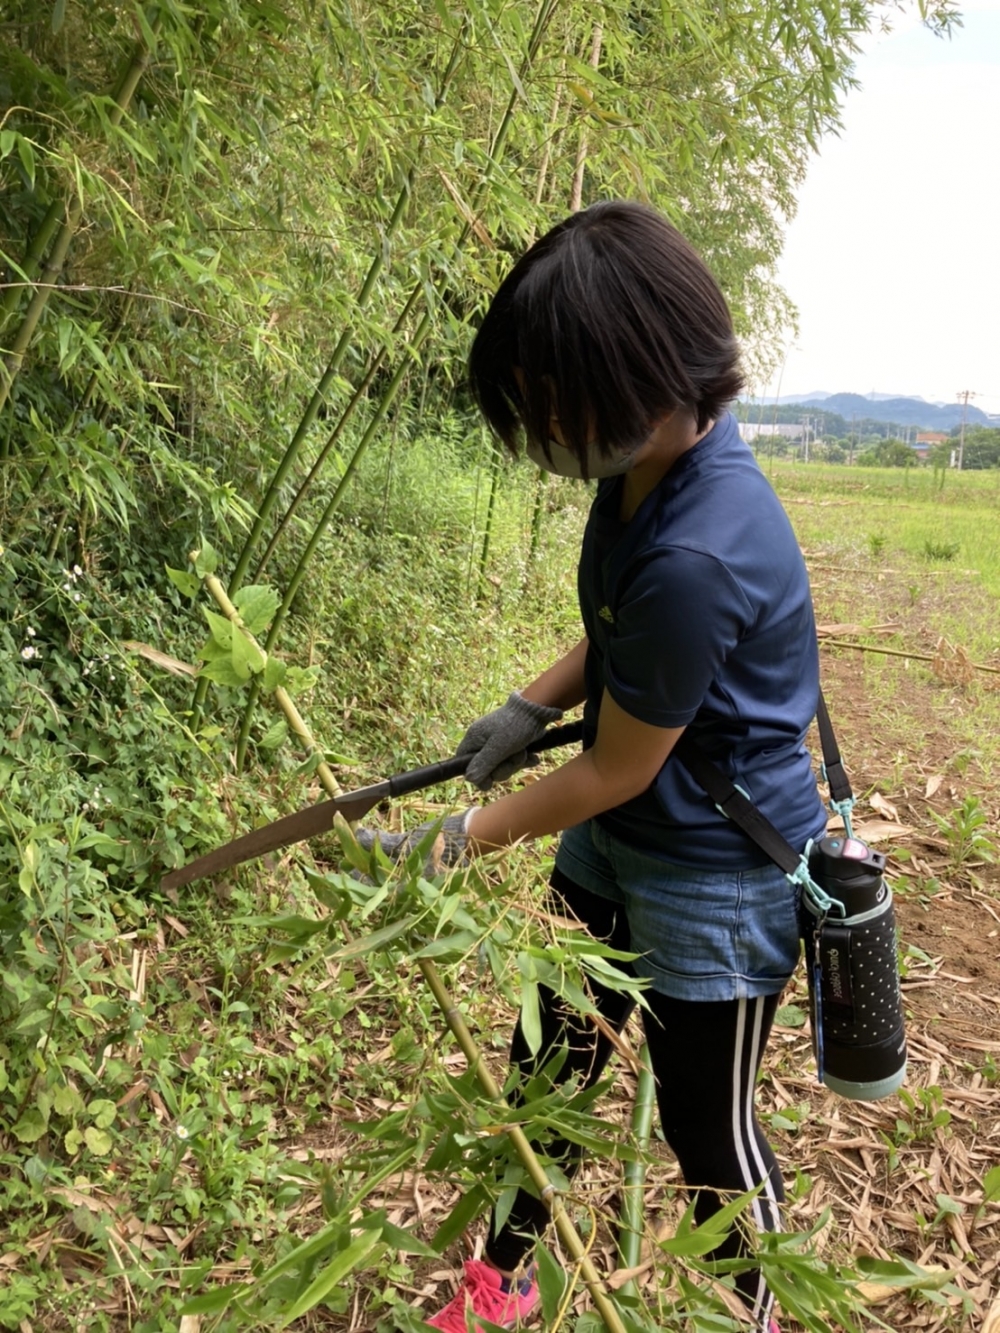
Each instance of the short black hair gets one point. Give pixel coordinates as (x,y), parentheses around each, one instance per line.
(608,322)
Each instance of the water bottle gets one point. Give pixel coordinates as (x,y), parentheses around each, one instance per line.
(854,1000)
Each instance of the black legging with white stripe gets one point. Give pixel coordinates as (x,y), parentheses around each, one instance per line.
(705,1057)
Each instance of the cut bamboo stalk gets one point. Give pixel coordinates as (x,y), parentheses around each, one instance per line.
(899,652)
(633,1191)
(550,1196)
(283,699)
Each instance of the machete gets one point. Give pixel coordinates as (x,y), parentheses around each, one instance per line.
(352,805)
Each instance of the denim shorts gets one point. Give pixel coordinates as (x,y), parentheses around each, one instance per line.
(701,934)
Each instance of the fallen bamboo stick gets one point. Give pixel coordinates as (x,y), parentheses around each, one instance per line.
(900,652)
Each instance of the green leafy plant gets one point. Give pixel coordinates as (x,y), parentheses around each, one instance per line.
(964,830)
(937,550)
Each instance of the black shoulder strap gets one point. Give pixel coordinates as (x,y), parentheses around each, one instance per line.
(836,776)
(732,802)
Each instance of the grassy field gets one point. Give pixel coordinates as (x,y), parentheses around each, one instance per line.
(286,1071)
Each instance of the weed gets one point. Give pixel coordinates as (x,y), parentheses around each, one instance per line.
(963,831)
(876,544)
(790,1118)
(934,550)
(924,1115)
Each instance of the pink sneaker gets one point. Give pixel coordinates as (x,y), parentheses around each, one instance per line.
(486,1294)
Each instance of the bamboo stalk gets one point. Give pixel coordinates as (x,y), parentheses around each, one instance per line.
(568,1234)
(544,14)
(334,436)
(633,1202)
(343,343)
(491,505)
(899,652)
(32,260)
(537,507)
(392,389)
(284,700)
(60,246)
(576,193)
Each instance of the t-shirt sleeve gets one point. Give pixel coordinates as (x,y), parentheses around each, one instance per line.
(679,615)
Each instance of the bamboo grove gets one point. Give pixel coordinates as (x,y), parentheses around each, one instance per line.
(243,245)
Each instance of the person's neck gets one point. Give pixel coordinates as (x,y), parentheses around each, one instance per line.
(673,437)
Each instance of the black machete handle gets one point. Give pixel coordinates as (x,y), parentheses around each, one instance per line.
(416,779)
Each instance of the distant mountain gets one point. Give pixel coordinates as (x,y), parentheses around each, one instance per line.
(897,411)
(815,397)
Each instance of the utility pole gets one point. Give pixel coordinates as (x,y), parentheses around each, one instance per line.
(963,395)
(805,421)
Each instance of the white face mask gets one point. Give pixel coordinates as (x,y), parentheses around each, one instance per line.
(564,463)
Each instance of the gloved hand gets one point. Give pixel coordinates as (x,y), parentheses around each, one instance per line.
(499,741)
(447,849)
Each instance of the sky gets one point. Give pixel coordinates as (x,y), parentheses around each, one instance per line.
(893,258)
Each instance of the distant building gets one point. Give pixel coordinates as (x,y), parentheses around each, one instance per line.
(756,430)
(926,440)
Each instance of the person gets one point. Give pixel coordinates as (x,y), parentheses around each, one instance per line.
(610,349)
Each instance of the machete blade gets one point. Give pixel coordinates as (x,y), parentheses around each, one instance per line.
(283,832)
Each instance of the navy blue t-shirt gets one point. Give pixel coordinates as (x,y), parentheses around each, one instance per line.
(698,614)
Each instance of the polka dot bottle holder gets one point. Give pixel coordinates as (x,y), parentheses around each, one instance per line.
(855,1005)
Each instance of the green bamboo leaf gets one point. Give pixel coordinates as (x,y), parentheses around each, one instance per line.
(377,940)
(396,1237)
(531,1020)
(26,153)
(332,1275)
(468,1208)
(214,1302)
(58,15)
(551,1284)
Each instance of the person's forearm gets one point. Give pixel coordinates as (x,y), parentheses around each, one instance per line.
(562,685)
(577,791)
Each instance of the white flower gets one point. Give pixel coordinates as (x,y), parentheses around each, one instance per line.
(67,587)
(76,597)
(27,652)
(182,1132)
(78,572)
(31,632)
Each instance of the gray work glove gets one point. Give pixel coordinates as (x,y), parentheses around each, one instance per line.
(446,851)
(499,741)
